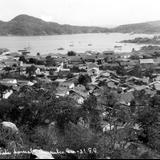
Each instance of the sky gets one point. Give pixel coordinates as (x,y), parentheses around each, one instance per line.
(84,12)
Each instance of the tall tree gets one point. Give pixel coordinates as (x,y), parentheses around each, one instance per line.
(31,70)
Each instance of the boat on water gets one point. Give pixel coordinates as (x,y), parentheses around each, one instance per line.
(60,49)
(89,44)
(26,50)
(118,47)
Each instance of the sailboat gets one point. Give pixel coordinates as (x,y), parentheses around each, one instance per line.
(28,48)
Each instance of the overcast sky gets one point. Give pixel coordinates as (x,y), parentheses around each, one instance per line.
(84,12)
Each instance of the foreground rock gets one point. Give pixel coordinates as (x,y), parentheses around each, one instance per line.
(40,154)
(9,127)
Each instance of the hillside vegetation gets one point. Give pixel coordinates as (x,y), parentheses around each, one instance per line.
(27,25)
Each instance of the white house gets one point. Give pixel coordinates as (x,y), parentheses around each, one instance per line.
(107,127)
(67,84)
(93,71)
(9,81)
(7,94)
(64,87)
(147,61)
(38,71)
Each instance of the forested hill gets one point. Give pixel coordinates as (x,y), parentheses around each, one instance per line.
(148,27)
(27,25)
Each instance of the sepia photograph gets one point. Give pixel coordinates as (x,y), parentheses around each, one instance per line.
(79,79)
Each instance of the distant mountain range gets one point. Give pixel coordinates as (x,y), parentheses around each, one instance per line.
(24,25)
(147,27)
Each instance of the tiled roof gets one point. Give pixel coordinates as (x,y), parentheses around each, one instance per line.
(126,97)
(157,86)
(92,65)
(146,61)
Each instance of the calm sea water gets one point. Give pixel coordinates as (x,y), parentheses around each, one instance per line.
(77,42)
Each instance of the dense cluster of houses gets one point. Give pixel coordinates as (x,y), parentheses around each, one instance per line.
(100,66)
(65,70)
(82,75)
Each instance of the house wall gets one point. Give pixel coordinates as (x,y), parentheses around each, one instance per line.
(7,94)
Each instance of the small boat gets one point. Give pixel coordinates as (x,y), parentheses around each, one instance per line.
(22,50)
(28,48)
(60,49)
(118,47)
(89,44)
(71,45)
